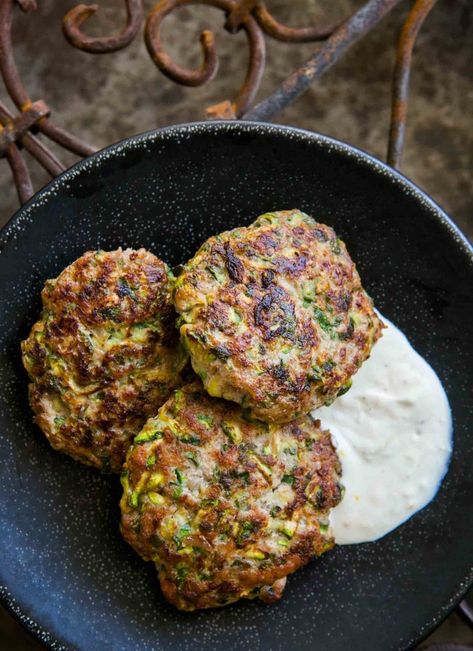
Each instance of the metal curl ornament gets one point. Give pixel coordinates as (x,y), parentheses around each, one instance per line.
(210,59)
(19,129)
(101,44)
(280,32)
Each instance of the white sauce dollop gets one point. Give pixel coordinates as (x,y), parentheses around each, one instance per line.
(393,433)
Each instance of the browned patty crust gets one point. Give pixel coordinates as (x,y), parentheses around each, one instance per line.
(225,507)
(104,355)
(274,315)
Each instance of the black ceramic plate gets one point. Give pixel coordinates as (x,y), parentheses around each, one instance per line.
(64,569)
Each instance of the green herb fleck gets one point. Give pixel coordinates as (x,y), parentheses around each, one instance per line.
(192,456)
(146,437)
(315,374)
(218,273)
(335,246)
(231,431)
(150,461)
(133,499)
(208,502)
(205,419)
(112,313)
(189,438)
(322,319)
(181,572)
(346,387)
(179,485)
(246,529)
(288,479)
(183,532)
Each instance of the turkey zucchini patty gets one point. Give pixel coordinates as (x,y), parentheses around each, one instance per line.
(225,507)
(104,355)
(274,315)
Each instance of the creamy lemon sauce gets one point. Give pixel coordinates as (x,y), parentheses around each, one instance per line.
(393,434)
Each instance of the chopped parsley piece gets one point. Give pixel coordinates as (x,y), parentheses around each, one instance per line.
(183,532)
(181,572)
(315,375)
(335,246)
(189,438)
(231,431)
(205,419)
(317,497)
(133,499)
(288,479)
(247,527)
(208,502)
(150,461)
(177,492)
(192,458)
(346,387)
(112,313)
(322,319)
(146,437)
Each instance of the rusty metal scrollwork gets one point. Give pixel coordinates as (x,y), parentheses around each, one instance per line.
(101,44)
(251,16)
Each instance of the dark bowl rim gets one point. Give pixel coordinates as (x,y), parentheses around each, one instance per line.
(47,638)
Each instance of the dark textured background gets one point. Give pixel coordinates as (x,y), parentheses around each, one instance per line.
(107,98)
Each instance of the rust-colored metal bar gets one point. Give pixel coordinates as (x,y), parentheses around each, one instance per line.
(14,129)
(18,92)
(281,32)
(43,155)
(102,44)
(209,66)
(8,68)
(402,72)
(251,16)
(34,146)
(256,65)
(329,52)
(20,173)
(66,139)
(164,62)
(235,17)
